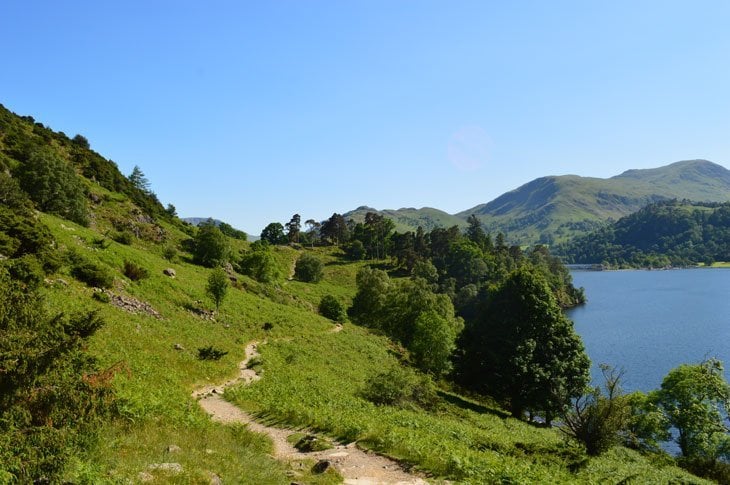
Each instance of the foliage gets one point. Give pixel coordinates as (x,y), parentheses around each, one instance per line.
(123,237)
(695,398)
(231,231)
(523,350)
(433,343)
(676,233)
(101,296)
(53,185)
(139,180)
(50,398)
(293,228)
(169,253)
(355,250)
(309,269)
(217,286)
(260,264)
(599,418)
(330,307)
(274,234)
(210,353)
(400,386)
(90,272)
(134,271)
(210,247)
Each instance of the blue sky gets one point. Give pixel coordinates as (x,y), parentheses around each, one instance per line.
(252,111)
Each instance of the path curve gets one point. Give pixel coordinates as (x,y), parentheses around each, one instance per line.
(357,467)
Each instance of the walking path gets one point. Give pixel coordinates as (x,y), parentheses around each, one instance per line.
(357,467)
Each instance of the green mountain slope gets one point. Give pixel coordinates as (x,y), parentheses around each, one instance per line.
(661,234)
(408,219)
(552,209)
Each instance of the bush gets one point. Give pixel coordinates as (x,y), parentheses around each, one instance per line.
(211,246)
(401,387)
(330,307)
(217,286)
(123,237)
(210,353)
(135,272)
(169,253)
(309,269)
(260,264)
(355,250)
(102,297)
(90,272)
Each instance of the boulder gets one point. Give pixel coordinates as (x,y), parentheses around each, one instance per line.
(321,466)
(169,272)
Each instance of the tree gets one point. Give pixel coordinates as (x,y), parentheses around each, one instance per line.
(433,343)
(259,263)
(217,286)
(369,301)
(81,141)
(274,234)
(139,180)
(696,399)
(599,418)
(210,246)
(335,229)
(293,228)
(53,186)
(330,307)
(522,349)
(313,228)
(309,269)
(171,210)
(475,233)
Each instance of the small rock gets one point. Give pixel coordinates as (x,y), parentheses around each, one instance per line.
(173,449)
(321,466)
(208,451)
(145,477)
(179,347)
(173,468)
(214,479)
(226,325)
(169,272)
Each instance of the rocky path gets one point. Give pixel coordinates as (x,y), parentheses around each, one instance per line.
(356,466)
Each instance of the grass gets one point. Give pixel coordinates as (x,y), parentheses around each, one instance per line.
(312,378)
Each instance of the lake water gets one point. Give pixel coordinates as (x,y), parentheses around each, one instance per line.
(648,322)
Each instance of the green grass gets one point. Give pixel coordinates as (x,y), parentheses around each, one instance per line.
(311,378)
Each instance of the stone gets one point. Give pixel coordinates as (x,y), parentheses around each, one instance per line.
(145,477)
(179,347)
(321,466)
(169,272)
(214,479)
(173,449)
(173,468)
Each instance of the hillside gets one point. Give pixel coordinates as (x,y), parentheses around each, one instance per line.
(410,218)
(118,330)
(553,209)
(671,233)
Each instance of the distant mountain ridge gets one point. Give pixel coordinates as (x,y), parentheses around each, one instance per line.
(555,208)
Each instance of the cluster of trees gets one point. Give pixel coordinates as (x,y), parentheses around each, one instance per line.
(690,408)
(48,166)
(669,233)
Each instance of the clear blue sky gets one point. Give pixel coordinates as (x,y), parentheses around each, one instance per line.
(252,111)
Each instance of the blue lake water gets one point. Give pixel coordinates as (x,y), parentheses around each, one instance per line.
(648,322)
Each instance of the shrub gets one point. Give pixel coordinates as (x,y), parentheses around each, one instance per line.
(217,286)
(210,353)
(355,250)
(211,246)
(309,269)
(169,253)
(123,237)
(101,297)
(89,272)
(260,264)
(401,387)
(330,307)
(135,272)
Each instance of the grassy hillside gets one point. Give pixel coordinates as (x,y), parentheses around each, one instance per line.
(408,219)
(552,209)
(311,376)
(555,208)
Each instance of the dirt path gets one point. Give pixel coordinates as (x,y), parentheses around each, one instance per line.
(356,466)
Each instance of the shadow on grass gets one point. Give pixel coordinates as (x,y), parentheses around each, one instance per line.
(462,403)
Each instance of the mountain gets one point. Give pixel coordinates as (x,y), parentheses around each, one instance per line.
(670,233)
(409,218)
(555,208)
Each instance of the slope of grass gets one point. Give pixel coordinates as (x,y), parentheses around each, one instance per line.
(311,377)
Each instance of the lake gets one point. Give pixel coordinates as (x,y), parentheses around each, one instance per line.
(648,322)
